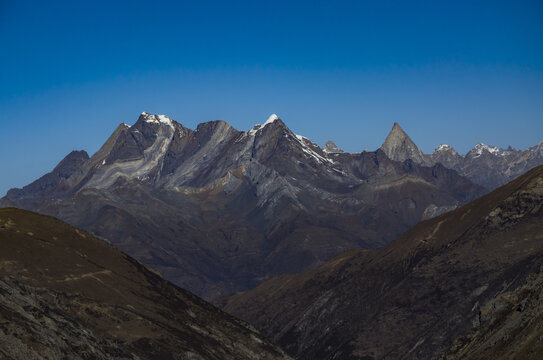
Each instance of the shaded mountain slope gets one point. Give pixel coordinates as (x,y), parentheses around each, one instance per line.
(412,298)
(64,292)
(507,327)
(217,210)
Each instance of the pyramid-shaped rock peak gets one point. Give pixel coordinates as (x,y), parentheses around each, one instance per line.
(398,146)
(331,147)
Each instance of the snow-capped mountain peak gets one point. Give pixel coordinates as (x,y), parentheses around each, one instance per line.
(444,148)
(271,119)
(161,119)
(479,148)
(257,127)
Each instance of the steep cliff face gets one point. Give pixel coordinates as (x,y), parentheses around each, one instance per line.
(217,210)
(398,146)
(67,294)
(413,298)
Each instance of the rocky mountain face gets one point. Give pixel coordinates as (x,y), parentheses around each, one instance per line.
(476,265)
(67,294)
(331,147)
(398,146)
(217,210)
(508,326)
(488,166)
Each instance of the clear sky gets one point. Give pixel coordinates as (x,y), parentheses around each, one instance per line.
(455,72)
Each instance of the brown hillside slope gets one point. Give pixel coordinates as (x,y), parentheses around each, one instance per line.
(412,298)
(65,293)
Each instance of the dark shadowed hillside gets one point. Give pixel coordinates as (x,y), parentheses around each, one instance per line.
(66,294)
(413,298)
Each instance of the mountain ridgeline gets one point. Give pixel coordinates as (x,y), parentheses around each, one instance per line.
(485,165)
(217,210)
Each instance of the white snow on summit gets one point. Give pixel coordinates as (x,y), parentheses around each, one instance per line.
(164,119)
(494,150)
(442,147)
(257,127)
(271,119)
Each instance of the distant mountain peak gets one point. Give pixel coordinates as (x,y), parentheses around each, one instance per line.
(444,148)
(537,149)
(156,119)
(480,148)
(331,147)
(398,146)
(271,119)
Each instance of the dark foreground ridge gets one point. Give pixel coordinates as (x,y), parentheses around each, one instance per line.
(66,294)
(467,283)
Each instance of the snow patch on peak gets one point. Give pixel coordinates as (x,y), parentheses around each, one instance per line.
(307,149)
(161,119)
(165,120)
(479,148)
(444,147)
(258,127)
(271,119)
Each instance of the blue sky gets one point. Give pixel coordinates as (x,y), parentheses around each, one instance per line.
(454,72)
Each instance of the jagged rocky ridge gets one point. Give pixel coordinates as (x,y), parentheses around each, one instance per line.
(217,210)
(65,294)
(485,165)
(411,299)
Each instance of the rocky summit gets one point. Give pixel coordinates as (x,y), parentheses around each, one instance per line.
(465,285)
(65,294)
(218,210)
(398,146)
(486,165)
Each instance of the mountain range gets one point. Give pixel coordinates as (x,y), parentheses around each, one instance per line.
(217,210)
(270,216)
(465,285)
(485,165)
